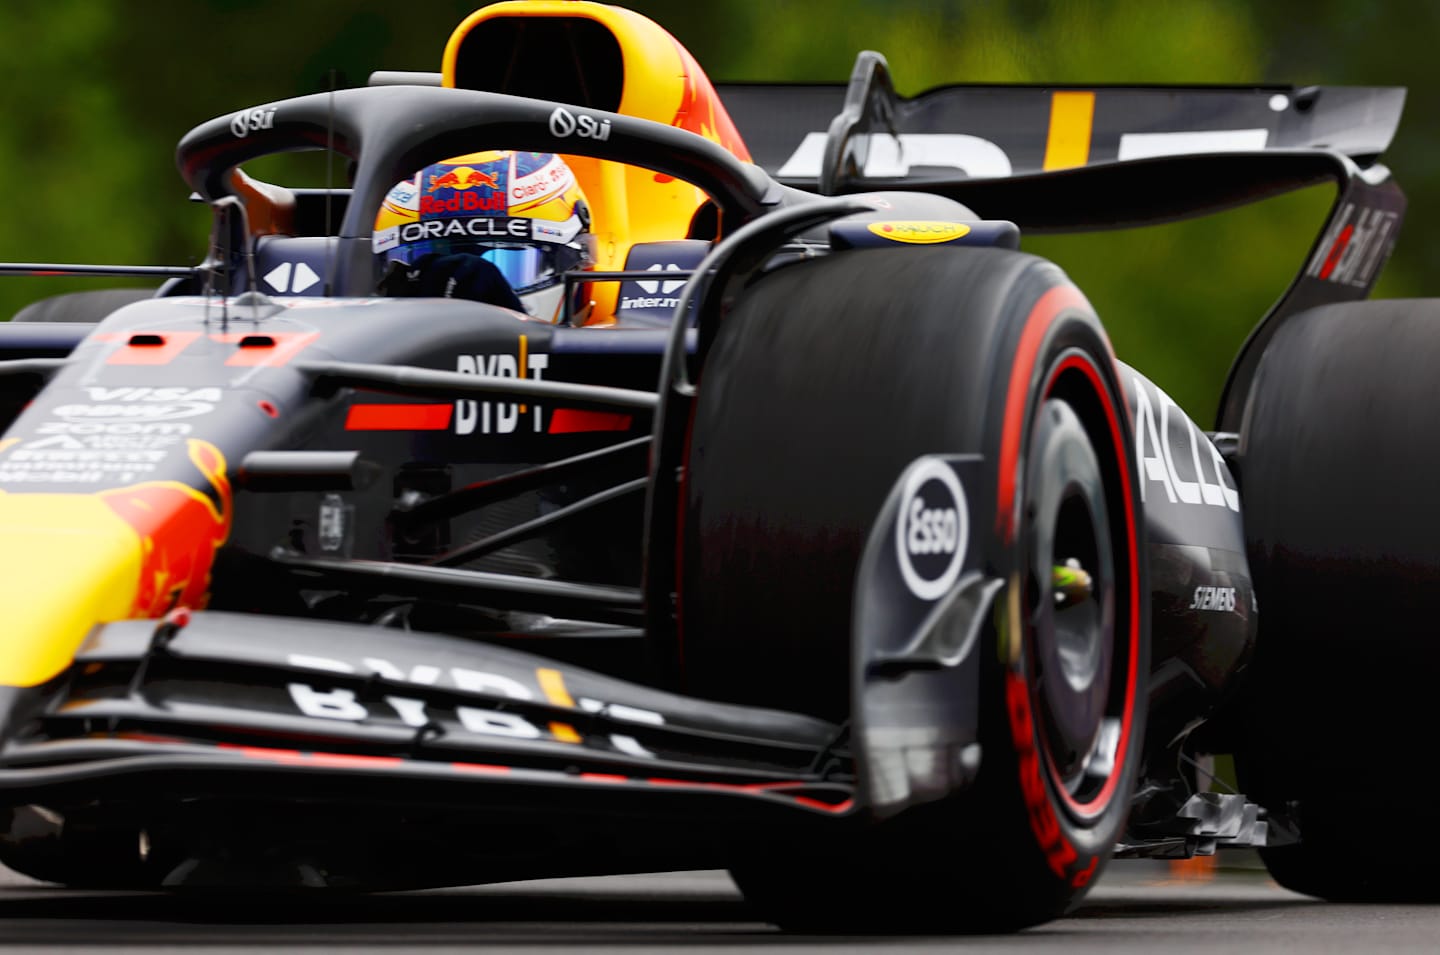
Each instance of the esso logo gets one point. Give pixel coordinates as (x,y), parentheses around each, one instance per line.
(931,530)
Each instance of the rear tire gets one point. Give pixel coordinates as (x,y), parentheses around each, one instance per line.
(826,380)
(1337,464)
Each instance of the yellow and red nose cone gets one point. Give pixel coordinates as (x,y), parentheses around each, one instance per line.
(71,561)
(67,562)
(179,529)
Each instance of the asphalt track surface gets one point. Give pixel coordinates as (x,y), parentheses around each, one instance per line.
(1138,907)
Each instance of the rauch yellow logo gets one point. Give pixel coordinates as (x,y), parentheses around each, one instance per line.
(919,232)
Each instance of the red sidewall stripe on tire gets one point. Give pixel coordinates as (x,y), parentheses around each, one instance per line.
(1022,371)
(1101,800)
(1060,853)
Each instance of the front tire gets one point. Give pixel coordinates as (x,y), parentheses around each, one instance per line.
(81,307)
(825,382)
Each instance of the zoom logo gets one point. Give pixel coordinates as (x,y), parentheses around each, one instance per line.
(564,123)
(931,529)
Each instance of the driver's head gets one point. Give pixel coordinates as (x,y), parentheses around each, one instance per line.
(522,212)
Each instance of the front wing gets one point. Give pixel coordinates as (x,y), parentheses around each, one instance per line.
(213,703)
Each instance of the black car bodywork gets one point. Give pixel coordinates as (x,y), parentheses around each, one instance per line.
(438,538)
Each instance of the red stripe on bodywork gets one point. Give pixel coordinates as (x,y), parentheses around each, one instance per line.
(1337,250)
(294,757)
(287,346)
(398,417)
(571,421)
(838,808)
(171,345)
(768,789)
(288,756)
(1052,303)
(350,759)
(483,768)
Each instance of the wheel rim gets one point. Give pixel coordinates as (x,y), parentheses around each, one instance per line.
(1070,610)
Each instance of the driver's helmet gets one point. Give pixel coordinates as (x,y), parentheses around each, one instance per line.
(522,211)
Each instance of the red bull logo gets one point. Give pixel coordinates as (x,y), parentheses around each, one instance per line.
(478,178)
(447,181)
(463,202)
(462,178)
(180,527)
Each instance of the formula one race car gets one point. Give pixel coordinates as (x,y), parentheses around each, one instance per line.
(817,535)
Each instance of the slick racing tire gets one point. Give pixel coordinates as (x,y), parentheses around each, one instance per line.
(91,306)
(827,379)
(1338,458)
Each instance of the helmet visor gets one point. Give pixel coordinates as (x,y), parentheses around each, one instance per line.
(540,252)
(525,267)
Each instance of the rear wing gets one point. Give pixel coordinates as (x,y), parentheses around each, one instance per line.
(1069,158)
(1021,148)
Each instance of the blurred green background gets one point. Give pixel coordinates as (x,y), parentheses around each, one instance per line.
(94,95)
